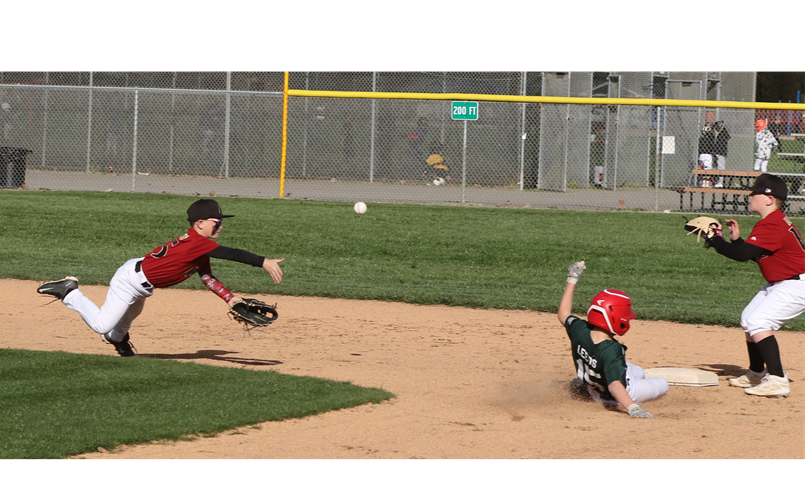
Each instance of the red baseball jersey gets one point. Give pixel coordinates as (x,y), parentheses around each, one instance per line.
(785,249)
(178,259)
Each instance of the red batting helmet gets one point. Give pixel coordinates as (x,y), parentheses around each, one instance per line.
(760,125)
(612,311)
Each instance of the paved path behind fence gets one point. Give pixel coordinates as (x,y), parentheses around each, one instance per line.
(594,199)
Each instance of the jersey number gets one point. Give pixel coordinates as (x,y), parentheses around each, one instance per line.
(163,251)
(798,236)
(584,372)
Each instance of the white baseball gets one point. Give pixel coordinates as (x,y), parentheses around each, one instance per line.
(360,208)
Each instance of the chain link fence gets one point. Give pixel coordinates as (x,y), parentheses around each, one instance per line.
(221,134)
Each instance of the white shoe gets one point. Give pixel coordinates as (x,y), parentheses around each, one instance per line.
(719,185)
(751,379)
(771,386)
(438,181)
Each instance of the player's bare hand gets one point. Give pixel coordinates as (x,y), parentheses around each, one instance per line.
(272,267)
(234,300)
(735,229)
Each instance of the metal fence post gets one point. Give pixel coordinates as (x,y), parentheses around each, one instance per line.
(225,164)
(89,124)
(464,166)
(657,156)
(134,142)
(45,122)
(522,131)
(372,131)
(305,121)
(173,123)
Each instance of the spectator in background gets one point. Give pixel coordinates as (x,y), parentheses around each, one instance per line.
(707,142)
(347,143)
(531,148)
(7,119)
(720,149)
(415,141)
(764,142)
(777,128)
(384,138)
(438,164)
(597,154)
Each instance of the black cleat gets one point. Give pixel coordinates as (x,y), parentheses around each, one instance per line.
(124,347)
(59,288)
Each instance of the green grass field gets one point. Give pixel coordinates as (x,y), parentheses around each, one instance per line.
(478,257)
(56,404)
(459,256)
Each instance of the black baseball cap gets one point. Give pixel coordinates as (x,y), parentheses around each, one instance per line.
(770,185)
(205,209)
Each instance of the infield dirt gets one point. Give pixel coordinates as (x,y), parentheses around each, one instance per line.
(480,384)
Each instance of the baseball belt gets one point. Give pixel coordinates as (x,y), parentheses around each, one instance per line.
(138,268)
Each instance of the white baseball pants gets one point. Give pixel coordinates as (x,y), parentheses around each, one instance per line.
(773,305)
(124,302)
(761,164)
(639,388)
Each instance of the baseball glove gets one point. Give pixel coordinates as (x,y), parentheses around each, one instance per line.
(703,226)
(253,313)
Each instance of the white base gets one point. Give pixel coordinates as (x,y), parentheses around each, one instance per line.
(684,376)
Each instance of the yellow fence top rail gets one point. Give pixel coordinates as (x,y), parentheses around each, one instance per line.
(547,99)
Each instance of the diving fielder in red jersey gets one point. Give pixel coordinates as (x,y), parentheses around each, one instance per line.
(777,246)
(165,266)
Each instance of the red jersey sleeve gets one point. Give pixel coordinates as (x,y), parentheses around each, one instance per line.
(178,259)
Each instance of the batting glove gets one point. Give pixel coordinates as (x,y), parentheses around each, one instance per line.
(637,412)
(574,271)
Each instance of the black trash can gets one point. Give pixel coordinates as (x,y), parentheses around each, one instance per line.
(12,167)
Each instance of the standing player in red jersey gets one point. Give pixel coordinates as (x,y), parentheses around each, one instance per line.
(166,266)
(778,248)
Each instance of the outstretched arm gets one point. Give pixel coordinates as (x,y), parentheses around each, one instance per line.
(272,267)
(217,287)
(618,391)
(566,304)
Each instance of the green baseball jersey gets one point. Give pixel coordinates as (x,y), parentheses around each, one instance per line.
(597,365)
